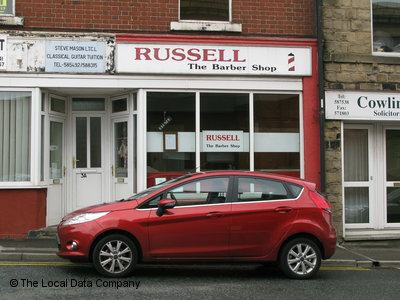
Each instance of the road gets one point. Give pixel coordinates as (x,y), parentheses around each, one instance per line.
(244,281)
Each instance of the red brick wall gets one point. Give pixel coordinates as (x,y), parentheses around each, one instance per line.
(22,210)
(290,18)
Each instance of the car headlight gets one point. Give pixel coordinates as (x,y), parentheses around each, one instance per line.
(85,217)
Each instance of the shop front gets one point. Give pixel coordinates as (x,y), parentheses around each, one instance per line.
(161,106)
(370,161)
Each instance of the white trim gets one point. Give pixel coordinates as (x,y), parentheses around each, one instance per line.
(251,131)
(65,81)
(187,25)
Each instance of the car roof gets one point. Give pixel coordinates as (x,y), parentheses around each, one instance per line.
(251,173)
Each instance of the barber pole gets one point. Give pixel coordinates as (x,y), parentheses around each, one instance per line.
(291,62)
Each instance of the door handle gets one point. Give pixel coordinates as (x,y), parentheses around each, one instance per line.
(74,161)
(283,209)
(215,214)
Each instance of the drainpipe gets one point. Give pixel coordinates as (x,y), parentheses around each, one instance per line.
(321,93)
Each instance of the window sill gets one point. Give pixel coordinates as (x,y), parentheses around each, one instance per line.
(11,21)
(206,26)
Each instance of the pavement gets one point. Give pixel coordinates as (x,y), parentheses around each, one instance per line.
(364,254)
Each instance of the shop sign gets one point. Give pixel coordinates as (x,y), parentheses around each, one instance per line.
(75,57)
(3,52)
(362,106)
(222,141)
(213,59)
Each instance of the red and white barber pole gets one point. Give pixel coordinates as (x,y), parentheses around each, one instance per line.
(291,62)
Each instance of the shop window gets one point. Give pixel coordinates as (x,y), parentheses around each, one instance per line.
(386,22)
(57,105)
(15,116)
(170,116)
(277,133)
(224,126)
(205,10)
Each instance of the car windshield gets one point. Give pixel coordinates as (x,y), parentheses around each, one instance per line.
(155,188)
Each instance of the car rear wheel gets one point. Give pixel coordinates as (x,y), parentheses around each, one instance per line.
(300,258)
(115,256)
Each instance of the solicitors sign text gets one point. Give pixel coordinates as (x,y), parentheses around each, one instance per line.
(213,59)
(362,106)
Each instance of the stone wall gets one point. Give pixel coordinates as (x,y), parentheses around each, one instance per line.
(350,66)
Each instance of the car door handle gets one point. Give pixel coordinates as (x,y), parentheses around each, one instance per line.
(215,214)
(283,209)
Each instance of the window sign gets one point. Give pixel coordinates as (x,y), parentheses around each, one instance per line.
(6,7)
(3,52)
(222,141)
(75,57)
(385,18)
(362,106)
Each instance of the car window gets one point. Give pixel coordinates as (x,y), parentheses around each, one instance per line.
(295,189)
(201,192)
(260,189)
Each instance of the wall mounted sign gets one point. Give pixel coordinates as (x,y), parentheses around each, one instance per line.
(75,57)
(3,52)
(213,59)
(222,141)
(342,105)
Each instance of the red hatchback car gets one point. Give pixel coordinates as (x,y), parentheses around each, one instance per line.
(213,216)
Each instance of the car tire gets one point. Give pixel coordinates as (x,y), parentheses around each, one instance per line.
(115,256)
(300,258)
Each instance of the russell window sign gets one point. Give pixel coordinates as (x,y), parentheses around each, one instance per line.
(222,141)
(360,105)
(213,59)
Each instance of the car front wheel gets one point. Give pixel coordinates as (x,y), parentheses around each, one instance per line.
(115,256)
(300,258)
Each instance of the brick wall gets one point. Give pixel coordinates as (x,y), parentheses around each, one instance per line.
(291,18)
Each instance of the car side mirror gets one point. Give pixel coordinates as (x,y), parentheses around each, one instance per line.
(164,204)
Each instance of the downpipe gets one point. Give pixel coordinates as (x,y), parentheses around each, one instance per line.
(375,263)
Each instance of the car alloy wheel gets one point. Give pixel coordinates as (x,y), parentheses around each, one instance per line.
(300,258)
(115,256)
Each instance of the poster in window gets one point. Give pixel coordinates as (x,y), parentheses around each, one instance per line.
(170,141)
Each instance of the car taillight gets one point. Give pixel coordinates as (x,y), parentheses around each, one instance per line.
(320,201)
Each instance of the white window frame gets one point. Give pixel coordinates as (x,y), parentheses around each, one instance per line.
(375,53)
(35,140)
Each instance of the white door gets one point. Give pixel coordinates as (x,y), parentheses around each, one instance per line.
(55,192)
(120,174)
(88,160)
(358,180)
(392,176)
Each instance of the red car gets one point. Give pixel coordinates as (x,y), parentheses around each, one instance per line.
(214,216)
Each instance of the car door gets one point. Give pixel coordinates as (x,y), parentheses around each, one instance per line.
(262,212)
(198,226)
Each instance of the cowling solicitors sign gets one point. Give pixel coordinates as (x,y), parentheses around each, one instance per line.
(213,59)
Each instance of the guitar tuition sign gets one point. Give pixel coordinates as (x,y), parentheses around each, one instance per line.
(341,105)
(213,59)
(75,57)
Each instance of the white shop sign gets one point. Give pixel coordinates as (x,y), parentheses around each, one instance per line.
(3,52)
(222,141)
(75,57)
(360,105)
(213,59)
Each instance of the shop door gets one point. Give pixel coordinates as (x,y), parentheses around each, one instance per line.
(55,193)
(88,160)
(392,176)
(119,169)
(358,176)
